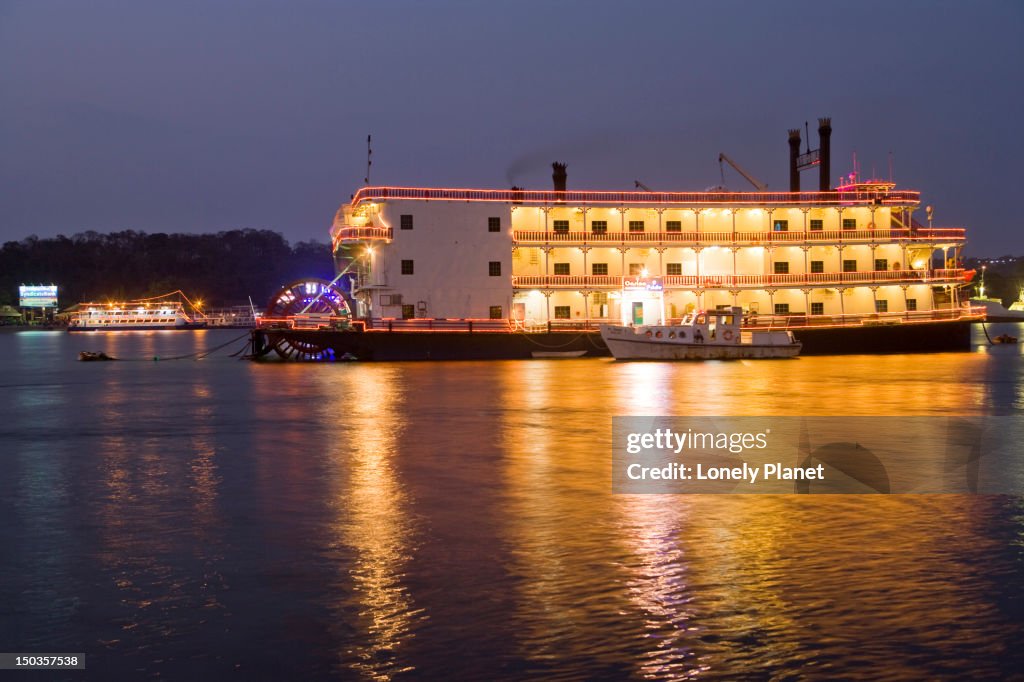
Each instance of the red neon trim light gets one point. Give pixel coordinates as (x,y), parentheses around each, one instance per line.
(833,198)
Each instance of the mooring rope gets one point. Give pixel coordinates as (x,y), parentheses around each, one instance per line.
(245,347)
(984,329)
(198,355)
(561,345)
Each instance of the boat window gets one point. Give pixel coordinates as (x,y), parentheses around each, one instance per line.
(728,319)
(671,335)
(701,319)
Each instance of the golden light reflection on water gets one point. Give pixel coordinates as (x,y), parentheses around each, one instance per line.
(724,582)
(112,410)
(132,475)
(155,472)
(205,479)
(658,583)
(847,385)
(542,522)
(370,508)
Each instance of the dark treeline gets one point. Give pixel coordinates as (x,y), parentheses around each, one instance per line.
(222,269)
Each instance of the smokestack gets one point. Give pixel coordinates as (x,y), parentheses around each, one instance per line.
(825,143)
(558,176)
(794,153)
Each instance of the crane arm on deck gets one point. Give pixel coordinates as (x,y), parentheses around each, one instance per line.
(760,186)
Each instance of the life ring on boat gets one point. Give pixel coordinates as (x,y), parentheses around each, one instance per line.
(727,335)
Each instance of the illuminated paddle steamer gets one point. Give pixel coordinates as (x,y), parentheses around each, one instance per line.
(150,314)
(847,269)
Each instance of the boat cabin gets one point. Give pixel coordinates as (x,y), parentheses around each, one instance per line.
(706,326)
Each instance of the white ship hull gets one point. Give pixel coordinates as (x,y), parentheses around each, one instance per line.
(630,349)
(135,327)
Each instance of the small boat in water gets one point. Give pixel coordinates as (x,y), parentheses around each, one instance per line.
(563,354)
(710,335)
(94,356)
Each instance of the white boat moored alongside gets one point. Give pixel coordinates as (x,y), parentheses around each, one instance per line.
(710,335)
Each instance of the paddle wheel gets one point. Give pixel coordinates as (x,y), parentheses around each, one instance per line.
(309,304)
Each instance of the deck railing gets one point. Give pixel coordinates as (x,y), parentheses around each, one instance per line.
(352,233)
(311,321)
(754,322)
(802,321)
(944,235)
(683,199)
(818,279)
(751,322)
(438,324)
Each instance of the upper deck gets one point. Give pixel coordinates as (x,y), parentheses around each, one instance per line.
(691,219)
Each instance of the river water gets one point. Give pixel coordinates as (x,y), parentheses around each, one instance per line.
(219,518)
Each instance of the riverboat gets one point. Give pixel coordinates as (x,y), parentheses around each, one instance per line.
(132,316)
(439,273)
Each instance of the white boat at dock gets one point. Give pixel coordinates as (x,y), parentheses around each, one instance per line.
(709,335)
(565,354)
(995,311)
(148,314)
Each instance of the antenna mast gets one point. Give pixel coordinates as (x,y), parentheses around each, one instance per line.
(369,153)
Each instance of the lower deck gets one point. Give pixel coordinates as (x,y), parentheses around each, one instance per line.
(381,344)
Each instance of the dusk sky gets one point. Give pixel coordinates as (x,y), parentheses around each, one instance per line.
(208,116)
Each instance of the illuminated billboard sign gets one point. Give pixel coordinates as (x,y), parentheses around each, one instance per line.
(37,296)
